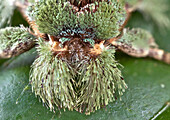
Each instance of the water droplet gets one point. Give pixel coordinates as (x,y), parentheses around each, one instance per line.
(162,85)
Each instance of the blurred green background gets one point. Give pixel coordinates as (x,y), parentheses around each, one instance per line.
(148,81)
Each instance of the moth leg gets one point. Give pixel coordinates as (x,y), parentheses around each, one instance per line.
(23,10)
(19,49)
(155,53)
(15,41)
(140,43)
(159,55)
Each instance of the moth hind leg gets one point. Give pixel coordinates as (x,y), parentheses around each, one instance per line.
(160,55)
(19,49)
(140,43)
(15,41)
(155,53)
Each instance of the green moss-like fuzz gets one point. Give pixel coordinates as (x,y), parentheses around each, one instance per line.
(102,81)
(11,37)
(106,21)
(51,79)
(53,17)
(58,84)
(137,38)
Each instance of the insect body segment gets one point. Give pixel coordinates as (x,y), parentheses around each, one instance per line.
(77,54)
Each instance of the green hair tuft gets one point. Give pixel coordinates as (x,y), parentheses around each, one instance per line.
(102,82)
(106,21)
(53,17)
(11,37)
(88,89)
(51,79)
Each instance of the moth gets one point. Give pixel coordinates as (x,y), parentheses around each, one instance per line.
(76,41)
